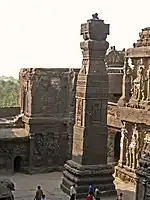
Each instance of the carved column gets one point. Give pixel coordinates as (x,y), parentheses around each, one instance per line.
(123,145)
(110,147)
(148,84)
(126,84)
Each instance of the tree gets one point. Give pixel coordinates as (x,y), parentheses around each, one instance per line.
(9,91)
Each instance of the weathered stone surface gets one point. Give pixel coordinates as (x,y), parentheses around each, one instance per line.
(89,155)
(117,114)
(48,117)
(83,175)
(137,76)
(143,175)
(42,133)
(114,64)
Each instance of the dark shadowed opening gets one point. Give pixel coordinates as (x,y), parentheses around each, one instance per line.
(117,146)
(17,164)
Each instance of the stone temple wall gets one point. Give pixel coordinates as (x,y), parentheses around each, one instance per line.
(10,150)
(48,104)
(9,111)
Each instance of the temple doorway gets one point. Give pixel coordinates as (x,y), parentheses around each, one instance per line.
(17,163)
(117,147)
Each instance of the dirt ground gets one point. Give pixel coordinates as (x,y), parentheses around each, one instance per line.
(26,186)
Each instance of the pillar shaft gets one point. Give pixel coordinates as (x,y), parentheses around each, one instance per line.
(89,153)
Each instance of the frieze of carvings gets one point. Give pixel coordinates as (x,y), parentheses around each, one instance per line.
(84,69)
(80,94)
(110,145)
(125,176)
(144,38)
(114,57)
(20,149)
(44,146)
(111,70)
(80,82)
(86,169)
(138,78)
(79,112)
(10,153)
(96,111)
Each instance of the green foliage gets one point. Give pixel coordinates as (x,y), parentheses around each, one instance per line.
(9,91)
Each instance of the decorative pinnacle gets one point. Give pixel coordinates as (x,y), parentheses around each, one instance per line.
(95,16)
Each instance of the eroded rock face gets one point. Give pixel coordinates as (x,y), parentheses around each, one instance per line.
(8,183)
(6,186)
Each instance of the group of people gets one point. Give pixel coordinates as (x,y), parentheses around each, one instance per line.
(92,194)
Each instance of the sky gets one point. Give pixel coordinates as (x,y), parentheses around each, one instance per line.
(46,33)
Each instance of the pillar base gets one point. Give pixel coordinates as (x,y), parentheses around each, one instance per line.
(84,175)
(125,174)
(122,102)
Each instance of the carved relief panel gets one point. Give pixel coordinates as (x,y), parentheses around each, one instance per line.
(96,112)
(99,113)
(140,79)
(44,148)
(79,112)
(84,68)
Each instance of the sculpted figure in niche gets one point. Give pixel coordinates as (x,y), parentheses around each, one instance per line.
(84,66)
(127,153)
(139,84)
(133,151)
(79,112)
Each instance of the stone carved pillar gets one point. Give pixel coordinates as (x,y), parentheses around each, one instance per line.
(123,146)
(110,147)
(89,153)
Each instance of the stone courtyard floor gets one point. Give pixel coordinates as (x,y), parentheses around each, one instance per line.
(26,186)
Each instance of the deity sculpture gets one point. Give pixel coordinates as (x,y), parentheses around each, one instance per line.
(127,153)
(133,149)
(79,112)
(139,84)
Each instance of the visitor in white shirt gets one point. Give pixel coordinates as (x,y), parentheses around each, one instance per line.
(72,192)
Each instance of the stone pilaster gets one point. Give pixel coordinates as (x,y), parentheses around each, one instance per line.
(123,145)
(126,84)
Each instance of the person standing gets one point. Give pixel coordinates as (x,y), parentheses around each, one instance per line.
(120,196)
(89,196)
(97,193)
(91,189)
(39,193)
(72,192)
